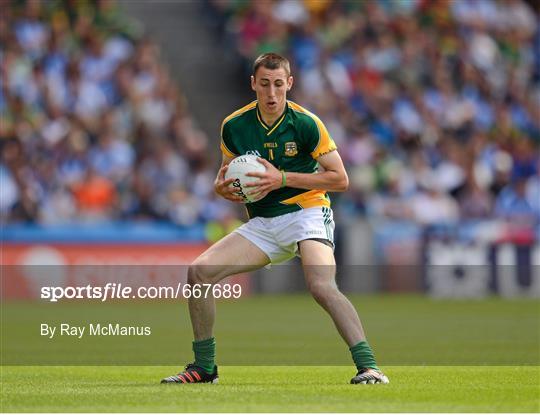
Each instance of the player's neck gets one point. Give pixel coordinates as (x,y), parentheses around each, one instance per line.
(270,119)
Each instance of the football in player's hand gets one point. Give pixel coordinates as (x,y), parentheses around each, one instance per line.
(237,170)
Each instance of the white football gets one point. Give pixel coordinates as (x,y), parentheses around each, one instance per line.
(238,168)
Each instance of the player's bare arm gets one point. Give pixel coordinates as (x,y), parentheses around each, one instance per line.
(333,179)
(222,186)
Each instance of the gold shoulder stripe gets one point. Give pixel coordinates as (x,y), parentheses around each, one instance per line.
(235,114)
(301,109)
(225,150)
(325,143)
(240,111)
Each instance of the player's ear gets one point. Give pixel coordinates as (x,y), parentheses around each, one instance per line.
(289,83)
(252,82)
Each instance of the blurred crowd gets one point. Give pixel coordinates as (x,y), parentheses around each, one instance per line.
(92,126)
(434,104)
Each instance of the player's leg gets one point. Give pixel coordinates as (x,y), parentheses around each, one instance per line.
(319,271)
(233,254)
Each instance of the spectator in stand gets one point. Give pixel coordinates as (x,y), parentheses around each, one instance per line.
(95,196)
(513,203)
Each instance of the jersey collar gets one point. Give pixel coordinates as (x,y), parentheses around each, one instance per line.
(270,129)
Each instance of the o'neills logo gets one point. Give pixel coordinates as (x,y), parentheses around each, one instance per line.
(238,186)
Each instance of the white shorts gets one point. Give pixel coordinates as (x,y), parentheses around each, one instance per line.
(278,237)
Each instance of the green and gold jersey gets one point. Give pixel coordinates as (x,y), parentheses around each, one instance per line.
(292,144)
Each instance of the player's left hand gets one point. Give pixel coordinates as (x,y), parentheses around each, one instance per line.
(268,181)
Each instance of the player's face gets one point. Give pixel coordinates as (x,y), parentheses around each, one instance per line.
(271,86)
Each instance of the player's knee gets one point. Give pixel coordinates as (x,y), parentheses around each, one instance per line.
(323,291)
(199,273)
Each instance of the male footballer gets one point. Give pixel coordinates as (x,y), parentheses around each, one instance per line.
(294,217)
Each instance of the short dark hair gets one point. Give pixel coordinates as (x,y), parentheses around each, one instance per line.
(272,61)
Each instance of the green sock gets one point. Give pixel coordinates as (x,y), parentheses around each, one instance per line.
(363,356)
(205,354)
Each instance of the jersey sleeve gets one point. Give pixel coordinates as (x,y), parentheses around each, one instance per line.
(227,145)
(318,138)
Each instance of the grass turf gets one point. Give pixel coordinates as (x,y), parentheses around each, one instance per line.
(463,356)
(270,389)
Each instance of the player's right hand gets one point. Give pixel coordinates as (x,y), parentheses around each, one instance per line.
(223,187)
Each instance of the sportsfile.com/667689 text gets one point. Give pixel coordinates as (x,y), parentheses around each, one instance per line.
(119,291)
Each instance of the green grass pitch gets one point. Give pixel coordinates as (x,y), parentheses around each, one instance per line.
(271,389)
(440,356)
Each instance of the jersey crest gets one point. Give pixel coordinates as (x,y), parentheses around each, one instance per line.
(291,149)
